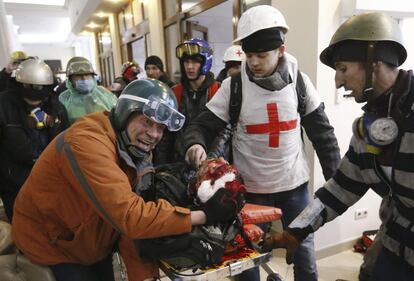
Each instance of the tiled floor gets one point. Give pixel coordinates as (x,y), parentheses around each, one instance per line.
(344,265)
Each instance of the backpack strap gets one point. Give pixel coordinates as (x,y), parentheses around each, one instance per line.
(301,92)
(178,91)
(235,99)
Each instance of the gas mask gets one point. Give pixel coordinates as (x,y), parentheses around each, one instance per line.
(38,119)
(376,131)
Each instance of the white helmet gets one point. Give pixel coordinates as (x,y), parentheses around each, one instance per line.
(233,53)
(258,18)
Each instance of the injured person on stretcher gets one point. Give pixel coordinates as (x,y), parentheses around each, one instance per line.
(210,245)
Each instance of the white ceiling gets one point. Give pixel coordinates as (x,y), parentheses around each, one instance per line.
(40,24)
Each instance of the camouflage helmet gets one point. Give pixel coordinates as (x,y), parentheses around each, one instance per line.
(79,66)
(377,28)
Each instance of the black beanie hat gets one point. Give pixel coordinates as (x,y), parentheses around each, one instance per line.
(155,61)
(355,50)
(263,40)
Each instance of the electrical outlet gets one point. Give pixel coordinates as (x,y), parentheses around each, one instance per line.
(361,213)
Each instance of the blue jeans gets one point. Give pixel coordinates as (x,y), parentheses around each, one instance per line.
(390,267)
(100,271)
(291,203)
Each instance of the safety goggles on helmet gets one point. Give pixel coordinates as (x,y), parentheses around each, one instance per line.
(80,68)
(190,49)
(159,111)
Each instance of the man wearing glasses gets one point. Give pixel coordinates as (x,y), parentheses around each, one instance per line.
(91,189)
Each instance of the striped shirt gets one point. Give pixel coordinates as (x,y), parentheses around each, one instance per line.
(358,171)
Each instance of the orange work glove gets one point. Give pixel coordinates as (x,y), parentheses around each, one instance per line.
(282,240)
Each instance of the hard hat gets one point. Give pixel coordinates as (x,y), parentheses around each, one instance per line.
(127,65)
(368,27)
(79,66)
(151,97)
(18,56)
(259,18)
(233,53)
(34,72)
(196,47)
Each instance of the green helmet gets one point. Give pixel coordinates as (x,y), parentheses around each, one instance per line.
(358,32)
(151,97)
(79,66)
(34,72)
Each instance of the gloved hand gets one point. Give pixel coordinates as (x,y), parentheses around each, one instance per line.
(221,208)
(282,240)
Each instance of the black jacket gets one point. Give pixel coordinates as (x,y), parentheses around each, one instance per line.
(17,146)
(4,79)
(165,79)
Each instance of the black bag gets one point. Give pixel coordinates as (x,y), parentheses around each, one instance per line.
(204,245)
(170,183)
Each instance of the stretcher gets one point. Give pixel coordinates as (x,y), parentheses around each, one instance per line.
(228,269)
(234,264)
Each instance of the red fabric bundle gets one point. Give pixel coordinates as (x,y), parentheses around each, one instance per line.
(254,214)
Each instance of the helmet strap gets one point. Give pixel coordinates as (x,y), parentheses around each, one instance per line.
(369,70)
(135,153)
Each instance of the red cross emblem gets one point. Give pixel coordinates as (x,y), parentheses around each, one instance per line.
(274,127)
(239,53)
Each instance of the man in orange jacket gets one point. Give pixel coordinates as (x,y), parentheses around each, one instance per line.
(86,191)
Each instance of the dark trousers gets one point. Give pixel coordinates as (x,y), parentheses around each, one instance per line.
(390,267)
(100,271)
(8,197)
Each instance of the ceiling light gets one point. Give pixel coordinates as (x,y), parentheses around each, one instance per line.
(101,15)
(92,25)
(38,2)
